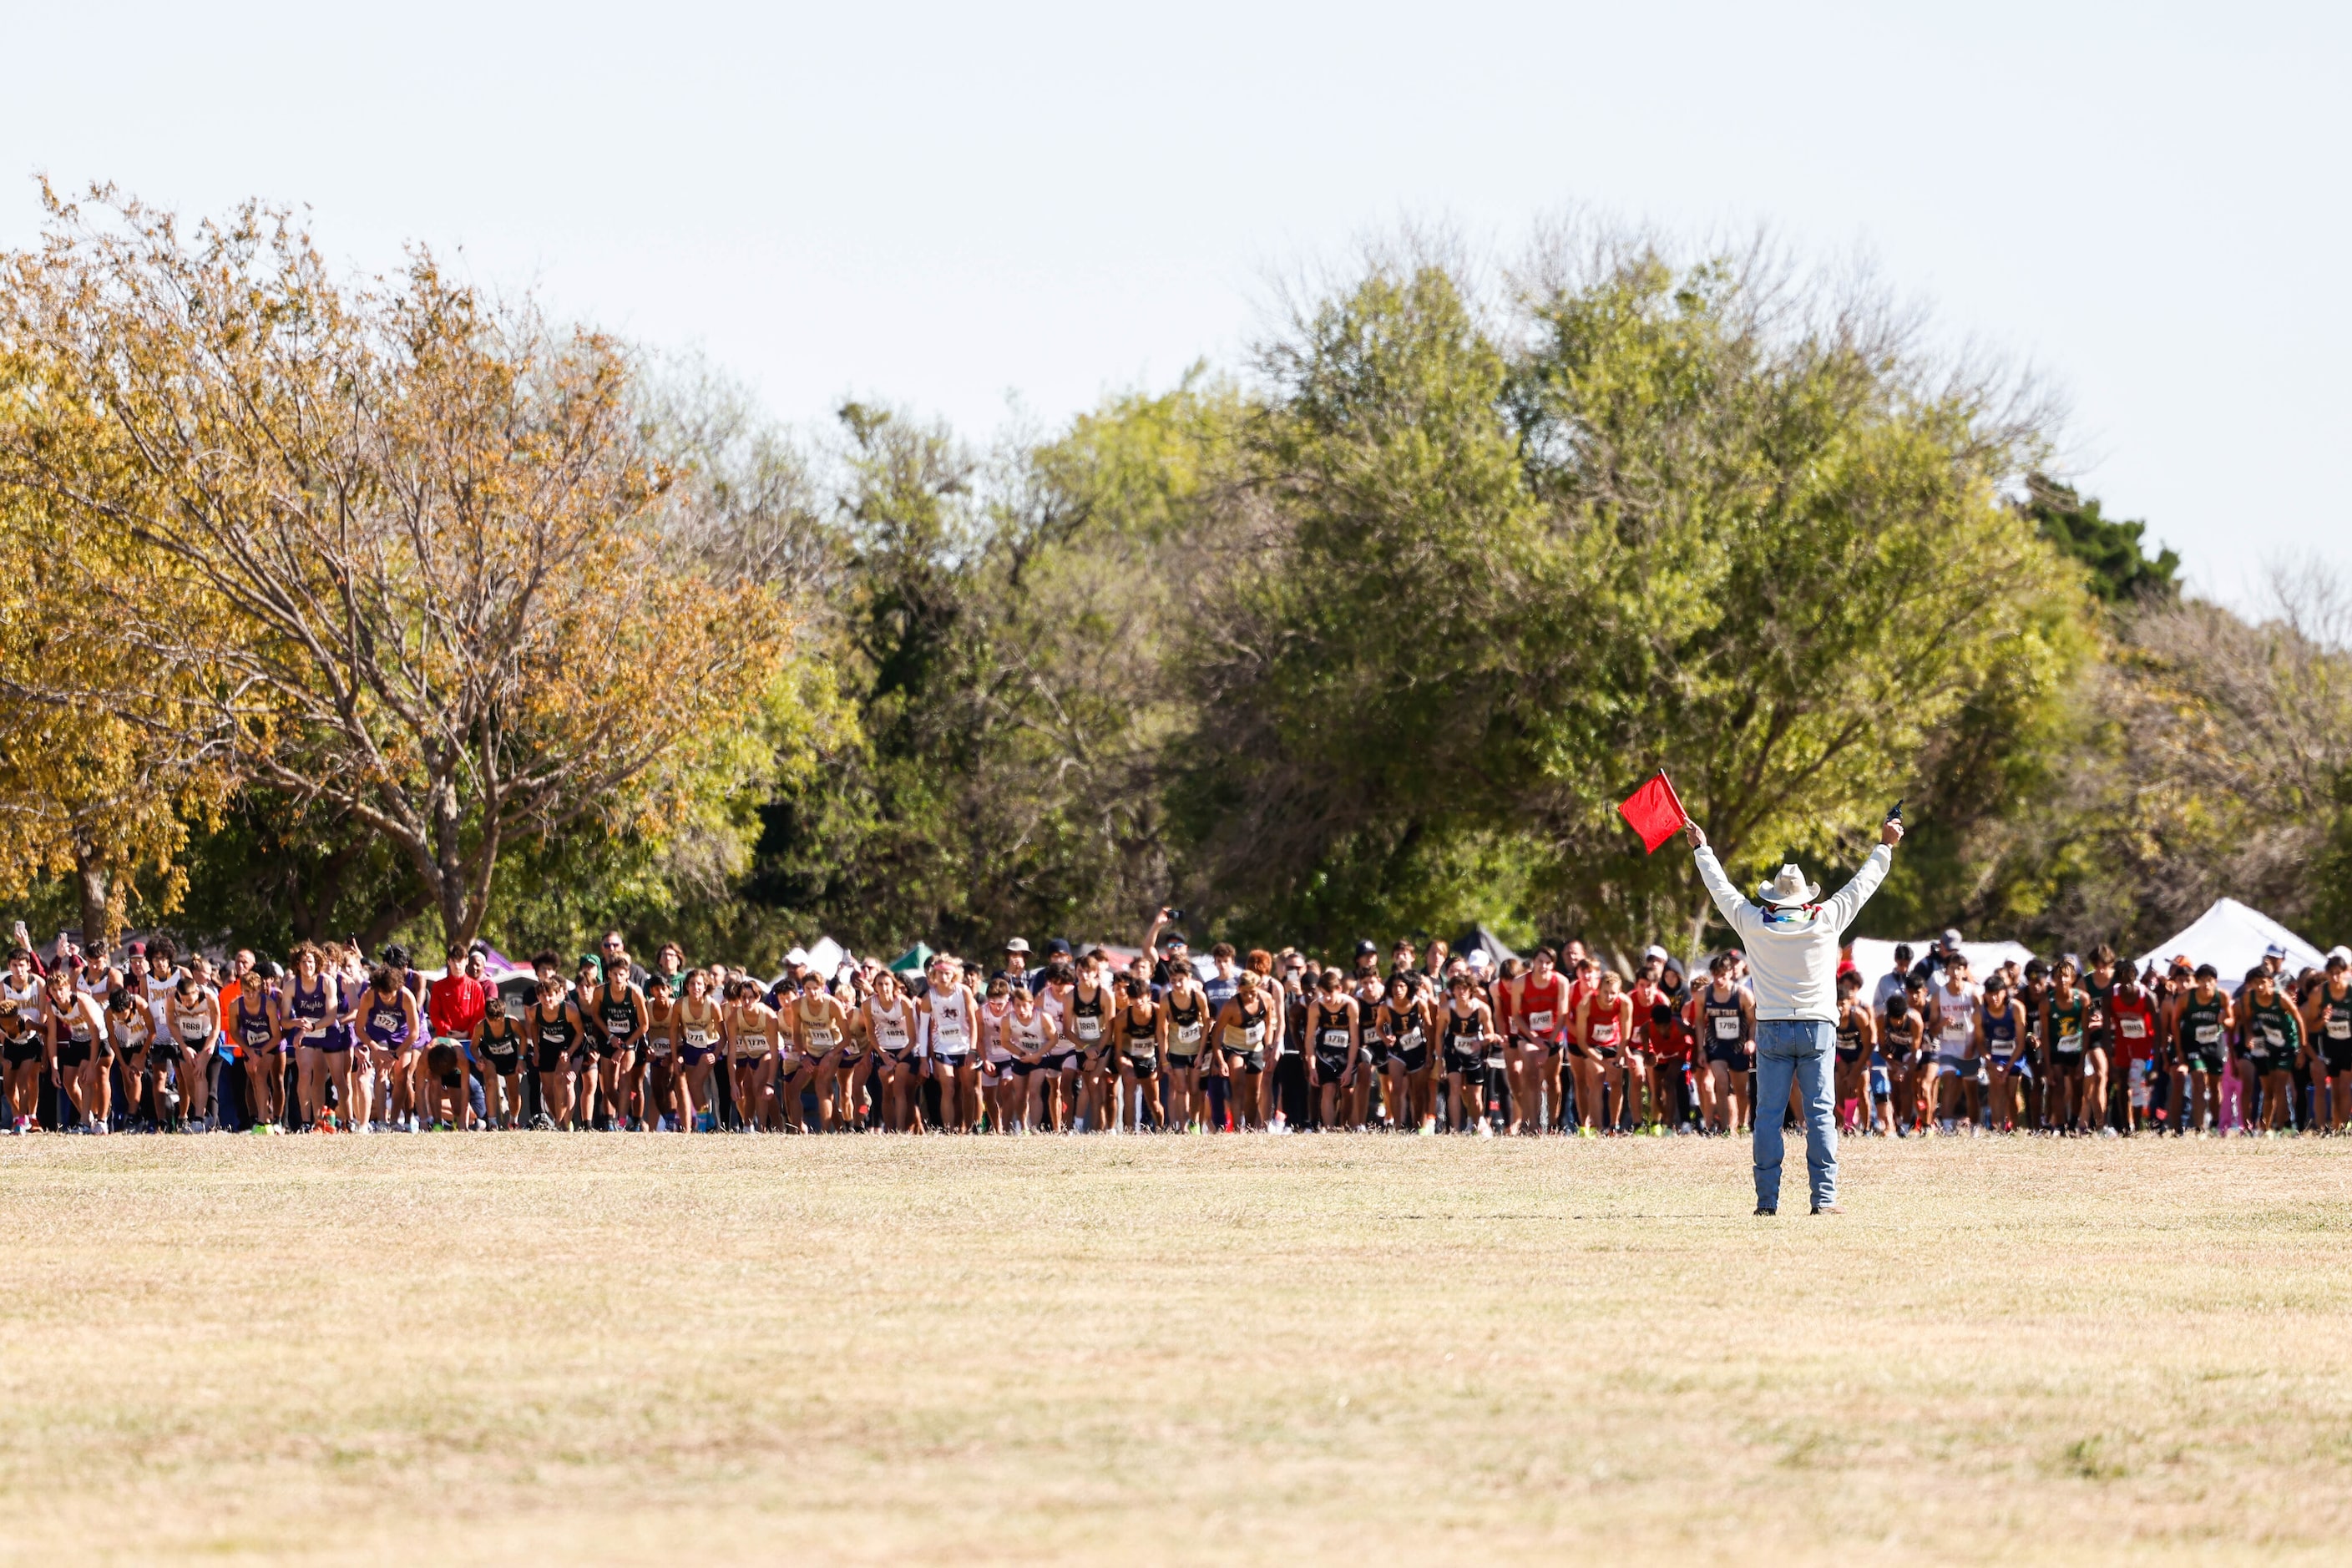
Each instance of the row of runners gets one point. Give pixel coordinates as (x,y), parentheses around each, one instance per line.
(1261,1040)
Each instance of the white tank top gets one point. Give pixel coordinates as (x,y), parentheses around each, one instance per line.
(889,1026)
(1031,1033)
(23,1008)
(1959,1017)
(952,1020)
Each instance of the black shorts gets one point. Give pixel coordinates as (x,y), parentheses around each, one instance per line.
(1732,1053)
(1470,1069)
(2067,1064)
(2336,1053)
(2271,1063)
(1411,1059)
(1329,1069)
(73,1054)
(1144,1066)
(19,1052)
(1182,1064)
(1060,1061)
(2202,1058)
(1245,1061)
(1849,1057)
(600,1046)
(553,1059)
(505,1063)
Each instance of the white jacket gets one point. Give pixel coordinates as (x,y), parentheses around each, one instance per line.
(1795,961)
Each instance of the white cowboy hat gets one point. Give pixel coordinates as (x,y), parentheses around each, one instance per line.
(1787,889)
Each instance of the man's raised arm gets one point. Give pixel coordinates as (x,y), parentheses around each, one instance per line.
(1739,911)
(1847,903)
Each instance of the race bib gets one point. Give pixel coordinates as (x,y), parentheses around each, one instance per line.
(949,1033)
(698,1038)
(1089,1028)
(1539,1022)
(2068,1044)
(1408,1039)
(1726,1026)
(2339,1028)
(192,1030)
(1335,1039)
(1604,1033)
(1254,1035)
(2209,1034)
(2134,1027)
(2274,1037)
(1187,1034)
(821,1038)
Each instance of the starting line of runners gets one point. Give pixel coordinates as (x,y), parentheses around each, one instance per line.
(1428,1043)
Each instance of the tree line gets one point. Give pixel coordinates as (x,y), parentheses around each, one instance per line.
(364,606)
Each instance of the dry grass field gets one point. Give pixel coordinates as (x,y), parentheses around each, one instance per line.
(624,1349)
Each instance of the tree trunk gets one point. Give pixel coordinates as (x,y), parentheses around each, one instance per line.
(90,883)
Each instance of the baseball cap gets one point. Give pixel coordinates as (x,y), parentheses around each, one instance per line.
(2275,951)
(1174,939)
(1655,950)
(1368,949)
(137,948)
(1018,944)
(1059,944)
(1950,940)
(797,955)
(1477,957)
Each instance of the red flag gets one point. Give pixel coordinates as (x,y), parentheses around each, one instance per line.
(1654,812)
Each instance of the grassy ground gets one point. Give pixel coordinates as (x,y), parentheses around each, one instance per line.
(618,1348)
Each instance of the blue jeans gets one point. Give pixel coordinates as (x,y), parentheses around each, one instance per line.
(1796,1048)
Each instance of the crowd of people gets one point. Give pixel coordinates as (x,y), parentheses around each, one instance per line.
(1158,1041)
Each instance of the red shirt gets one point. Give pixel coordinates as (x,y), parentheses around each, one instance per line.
(1578,990)
(2122,1016)
(455,1006)
(1538,998)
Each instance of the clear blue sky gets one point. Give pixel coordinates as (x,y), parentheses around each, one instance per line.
(950,205)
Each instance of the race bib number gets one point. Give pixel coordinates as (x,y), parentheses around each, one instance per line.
(951,1035)
(2274,1037)
(192,1030)
(698,1038)
(1254,1035)
(2069,1044)
(822,1038)
(2209,1034)
(1539,1022)
(1187,1034)
(1726,1026)
(2339,1028)
(1408,1039)
(1604,1033)
(1335,1039)
(1089,1028)
(2134,1027)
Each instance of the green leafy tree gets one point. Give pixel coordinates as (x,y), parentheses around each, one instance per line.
(2120,570)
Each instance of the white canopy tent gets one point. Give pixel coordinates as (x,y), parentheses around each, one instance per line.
(2232,938)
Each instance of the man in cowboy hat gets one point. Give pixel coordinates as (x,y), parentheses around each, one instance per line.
(1792,959)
